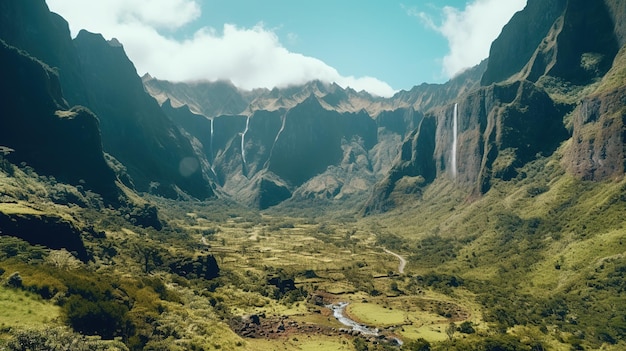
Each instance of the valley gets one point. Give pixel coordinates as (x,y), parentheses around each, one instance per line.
(482,214)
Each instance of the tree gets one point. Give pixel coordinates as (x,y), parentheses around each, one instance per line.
(418,345)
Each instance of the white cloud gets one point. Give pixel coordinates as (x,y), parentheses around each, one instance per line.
(470,31)
(249,57)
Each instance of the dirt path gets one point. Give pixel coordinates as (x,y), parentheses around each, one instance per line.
(402,263)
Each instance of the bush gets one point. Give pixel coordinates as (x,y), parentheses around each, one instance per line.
(59,339)
(105,318)
(15,280)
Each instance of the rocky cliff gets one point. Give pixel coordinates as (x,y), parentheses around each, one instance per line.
(134,128)
(315,141)
(43,131)
(556,61)
(97,74)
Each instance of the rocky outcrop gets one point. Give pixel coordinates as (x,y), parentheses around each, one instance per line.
(597,149)
(204,267)
(44,229)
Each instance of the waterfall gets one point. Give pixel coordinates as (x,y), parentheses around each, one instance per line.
(211,148)
(243,141)
(282,127)
(454,137)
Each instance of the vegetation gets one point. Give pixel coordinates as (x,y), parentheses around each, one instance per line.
(535,264)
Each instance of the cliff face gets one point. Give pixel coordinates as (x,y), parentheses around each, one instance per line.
(315,141)
(134,128)
(575,40)
(499,128)
(43,131)
(262,158)
(597,150)
(98,75)
(568,47)
(30,26)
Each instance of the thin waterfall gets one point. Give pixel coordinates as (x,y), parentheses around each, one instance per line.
(282,127)
(454,137)
(211,148)
(243,141)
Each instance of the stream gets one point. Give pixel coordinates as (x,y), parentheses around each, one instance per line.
(338,313)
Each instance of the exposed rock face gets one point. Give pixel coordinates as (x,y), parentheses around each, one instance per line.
(42,130)
(597,151)
(315,141)
(500,128)
(575,40)
(134,128)
(48,230)
(206,98)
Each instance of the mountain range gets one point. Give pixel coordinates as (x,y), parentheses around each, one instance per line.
(319,140)
(503,188)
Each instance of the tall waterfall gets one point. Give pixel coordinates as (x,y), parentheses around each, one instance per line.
(282,127)
(211,148)
(454,136)
(243,141)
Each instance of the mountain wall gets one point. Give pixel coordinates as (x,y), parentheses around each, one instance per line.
(315,141)
(97,74)
(43,131)
(563,50)
(134,128)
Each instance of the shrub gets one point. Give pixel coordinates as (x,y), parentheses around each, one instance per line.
(105,318)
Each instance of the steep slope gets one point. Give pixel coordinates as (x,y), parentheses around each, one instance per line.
(597,150)
(30,26)
(134,128)
(314,141)
(43,131)
(500,128)
(262,158)
(574,40)
(503,126)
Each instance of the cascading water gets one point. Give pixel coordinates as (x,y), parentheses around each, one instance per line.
(243,141)
(282,127)
(454,137)
(211,148)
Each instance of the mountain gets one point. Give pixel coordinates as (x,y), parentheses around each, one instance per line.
(206,98)
(532,86)
(313,141)
(135,130)
(495,202)
(50,136)
(98,75)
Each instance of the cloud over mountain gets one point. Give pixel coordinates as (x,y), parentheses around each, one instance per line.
(249,57)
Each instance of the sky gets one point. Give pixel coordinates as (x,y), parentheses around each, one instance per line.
(380,46)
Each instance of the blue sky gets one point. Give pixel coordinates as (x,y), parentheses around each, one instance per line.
(376,45)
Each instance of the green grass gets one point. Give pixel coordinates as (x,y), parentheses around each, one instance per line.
(25,310)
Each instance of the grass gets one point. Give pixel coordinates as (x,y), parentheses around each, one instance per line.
(302,343)
(505,243)
(19,309)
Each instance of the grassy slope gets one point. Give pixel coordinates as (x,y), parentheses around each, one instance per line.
(540,238)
